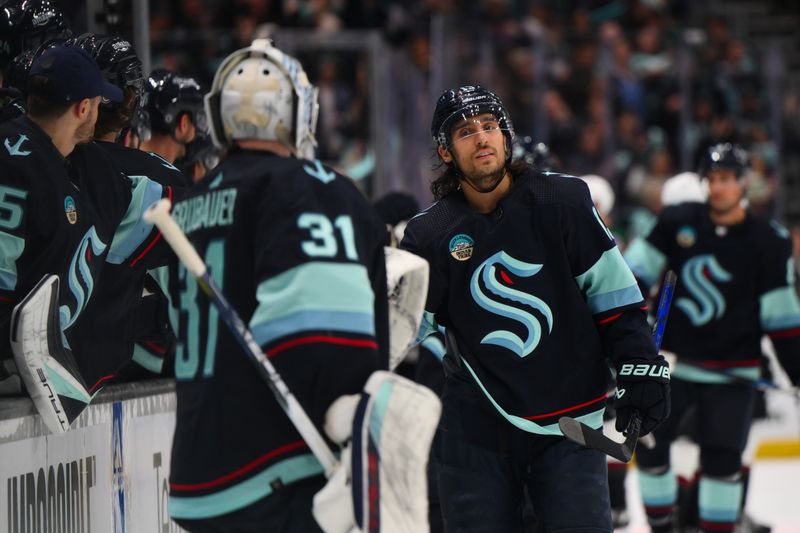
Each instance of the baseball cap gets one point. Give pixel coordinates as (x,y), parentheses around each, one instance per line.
(74,75)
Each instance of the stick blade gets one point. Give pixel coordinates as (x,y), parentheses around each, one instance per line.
(593,438)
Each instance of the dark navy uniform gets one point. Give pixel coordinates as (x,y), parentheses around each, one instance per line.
(298,252)
(59,217)
(117,308)
(534,296)
(736,284)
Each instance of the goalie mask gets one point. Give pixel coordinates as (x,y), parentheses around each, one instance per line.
(260,93)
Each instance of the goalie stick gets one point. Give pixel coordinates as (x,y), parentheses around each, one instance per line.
(594,438)
(159,215)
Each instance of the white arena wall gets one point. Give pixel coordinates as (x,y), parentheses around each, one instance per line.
(109,473)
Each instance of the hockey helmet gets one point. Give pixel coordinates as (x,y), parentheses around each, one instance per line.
(536,154)
(462,103)
(166,97)
(261,93)
(601,192)
(116,58)
(16,72)
(26,25)
(725,156)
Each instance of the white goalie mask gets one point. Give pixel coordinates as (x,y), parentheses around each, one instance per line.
(261,93)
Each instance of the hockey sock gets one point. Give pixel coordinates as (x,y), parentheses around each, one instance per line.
(659,489)
(719,501)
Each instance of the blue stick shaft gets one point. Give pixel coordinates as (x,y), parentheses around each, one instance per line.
(664,303)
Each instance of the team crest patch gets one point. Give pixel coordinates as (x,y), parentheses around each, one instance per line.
(461,247)
(70,210)
(686,237)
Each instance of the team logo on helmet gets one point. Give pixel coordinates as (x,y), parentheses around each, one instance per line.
(70,210)
(461,247)
(686,237)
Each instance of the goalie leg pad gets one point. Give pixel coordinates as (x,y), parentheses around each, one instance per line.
(47,368)
(392,433)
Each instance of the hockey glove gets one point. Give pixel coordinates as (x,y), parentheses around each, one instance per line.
(643,386)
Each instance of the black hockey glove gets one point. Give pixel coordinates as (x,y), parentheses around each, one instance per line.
(643,386)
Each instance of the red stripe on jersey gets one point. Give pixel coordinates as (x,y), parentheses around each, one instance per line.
(155,239)
(731,364)
(584,404)
(241,471)
(506,278)
(154,347)
(322,339)
(785,334)
(609,319)
(717,526)
(99,381)
(9,300)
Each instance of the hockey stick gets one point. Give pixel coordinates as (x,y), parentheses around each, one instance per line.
(594,438)
(158,214)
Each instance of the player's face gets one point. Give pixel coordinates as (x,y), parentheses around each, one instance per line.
(85,130)
(724,190)
(479,148)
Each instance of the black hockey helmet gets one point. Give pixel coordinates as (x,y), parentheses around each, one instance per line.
(166,97)
(724,156)
(116,58)
(27,24)
(464,102)
(16,72)
(534,153)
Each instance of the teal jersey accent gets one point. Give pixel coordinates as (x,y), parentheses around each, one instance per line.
(435,346)
(314,296)
(719,501)
(594,419)
(487,271)
(699,375)
(247,492)
(609,283)
(645,260)
(11,248)
(780,309)
(699,275)
(145,359)
(133,230)
(658,490)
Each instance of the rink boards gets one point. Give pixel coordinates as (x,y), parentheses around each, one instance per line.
(107,474)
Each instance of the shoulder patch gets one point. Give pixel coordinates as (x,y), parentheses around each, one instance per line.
(686,237)
(461,247)
(70,210)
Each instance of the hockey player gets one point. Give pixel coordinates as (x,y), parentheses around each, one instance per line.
(61,218)
(299,253)
(119,314)
(170,115)
(736,284)
(26,25)
(534,295)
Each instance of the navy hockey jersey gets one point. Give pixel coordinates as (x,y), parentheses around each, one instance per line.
(536,294)
(298,253)
(58,217)
(111,320)
(735,284)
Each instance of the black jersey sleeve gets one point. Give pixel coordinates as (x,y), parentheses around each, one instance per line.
(609,288)
(417,241)
(315,313)
(779,308)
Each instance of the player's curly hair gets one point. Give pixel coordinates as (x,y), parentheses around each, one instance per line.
(448,180)
(111,119)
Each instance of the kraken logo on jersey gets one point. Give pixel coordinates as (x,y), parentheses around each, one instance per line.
(79,277)
(698,275)
(488,272)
